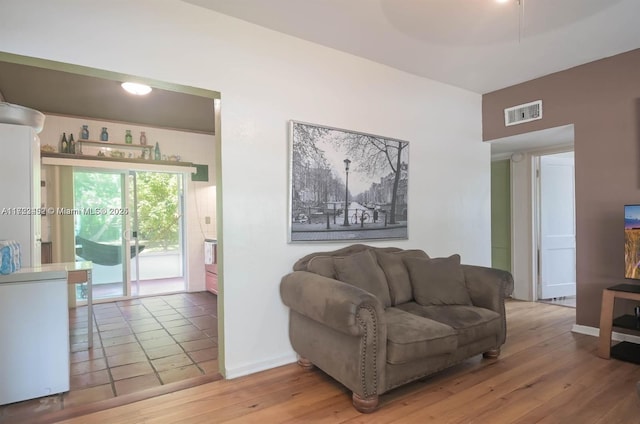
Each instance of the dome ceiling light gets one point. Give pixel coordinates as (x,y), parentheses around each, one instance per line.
(136,88)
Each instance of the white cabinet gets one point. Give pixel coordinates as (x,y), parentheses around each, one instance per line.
(34,335)
(211,265)
(20,190)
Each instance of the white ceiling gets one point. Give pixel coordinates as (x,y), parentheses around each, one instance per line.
(478,45)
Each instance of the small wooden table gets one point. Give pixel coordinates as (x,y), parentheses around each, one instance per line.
(77,273)
(609,295)
(80,273)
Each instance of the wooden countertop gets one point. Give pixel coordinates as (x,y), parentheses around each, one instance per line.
(45,272)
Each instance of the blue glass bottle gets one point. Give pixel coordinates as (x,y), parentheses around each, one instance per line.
(104,135)
(84,134)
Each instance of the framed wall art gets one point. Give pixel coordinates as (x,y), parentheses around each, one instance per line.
(346,185)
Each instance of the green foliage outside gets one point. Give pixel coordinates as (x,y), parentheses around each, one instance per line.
(158,208)
(93,191)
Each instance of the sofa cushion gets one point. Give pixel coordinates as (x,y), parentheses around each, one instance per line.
(397,274)
(362,270)
(411,337)
(470,322)
(302,263)
(322,265)
(438,281)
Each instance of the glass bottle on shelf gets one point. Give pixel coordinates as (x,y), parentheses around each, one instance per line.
(72,145)
(84,134)
(104,135)
(156,154)
(64,144)
(128,138)
(143,138)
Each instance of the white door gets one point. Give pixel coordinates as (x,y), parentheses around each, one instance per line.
(557,272)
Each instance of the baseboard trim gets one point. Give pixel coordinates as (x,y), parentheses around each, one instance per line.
(595,332)
(241,371)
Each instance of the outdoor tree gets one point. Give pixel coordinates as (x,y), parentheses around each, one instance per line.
(94,191)
(375,155)
(158,209)
(311,173)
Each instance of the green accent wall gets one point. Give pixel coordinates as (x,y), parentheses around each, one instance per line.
(501,214)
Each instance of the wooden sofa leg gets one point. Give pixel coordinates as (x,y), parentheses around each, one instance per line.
(491,354)
(305,363)
(366,406)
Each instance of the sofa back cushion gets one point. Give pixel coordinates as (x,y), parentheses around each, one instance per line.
(361,270)
(302,263)
(397,275)
(438,281)
(322,265)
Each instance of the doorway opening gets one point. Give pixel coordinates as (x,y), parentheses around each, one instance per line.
(189,133)
(519,156)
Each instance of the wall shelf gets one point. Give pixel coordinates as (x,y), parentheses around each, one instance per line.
(629,322)
(110,144)
(109,159)
(626,350)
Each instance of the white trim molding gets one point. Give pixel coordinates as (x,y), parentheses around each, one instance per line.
(258,366)
(593,331)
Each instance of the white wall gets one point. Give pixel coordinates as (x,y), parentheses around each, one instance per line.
(522,242)
(265,79)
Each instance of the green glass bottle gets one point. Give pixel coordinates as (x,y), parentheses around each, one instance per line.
(128,138)
(64,144)
(72,145)
(156,152)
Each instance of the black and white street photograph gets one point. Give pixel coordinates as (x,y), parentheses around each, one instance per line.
(346,185)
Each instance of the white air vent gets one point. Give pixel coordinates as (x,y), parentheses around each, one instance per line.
(523,113)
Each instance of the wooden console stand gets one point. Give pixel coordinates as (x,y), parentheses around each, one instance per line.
(626,351)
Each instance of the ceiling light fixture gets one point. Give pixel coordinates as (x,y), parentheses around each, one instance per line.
(520,4)
(135,88)
(520,20)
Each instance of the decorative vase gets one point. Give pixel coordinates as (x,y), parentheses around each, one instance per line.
(104,135)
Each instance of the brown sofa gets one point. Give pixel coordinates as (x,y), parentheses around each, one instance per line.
(376,318)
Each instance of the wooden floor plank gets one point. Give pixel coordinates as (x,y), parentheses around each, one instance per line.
(546,374)
(493,385)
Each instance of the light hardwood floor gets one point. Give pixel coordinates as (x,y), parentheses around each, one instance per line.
(546,374)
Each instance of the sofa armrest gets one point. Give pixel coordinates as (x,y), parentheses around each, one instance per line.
(488,286)
(328,301)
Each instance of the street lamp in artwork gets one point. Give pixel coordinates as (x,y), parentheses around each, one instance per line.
(346,193)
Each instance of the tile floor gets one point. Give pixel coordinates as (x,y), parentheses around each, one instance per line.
(145,287)
(138,344)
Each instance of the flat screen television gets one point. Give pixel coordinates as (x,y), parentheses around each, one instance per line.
(632,241)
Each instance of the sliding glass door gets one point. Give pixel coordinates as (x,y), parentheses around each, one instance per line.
(130,225)
(157,232)
(100,226)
